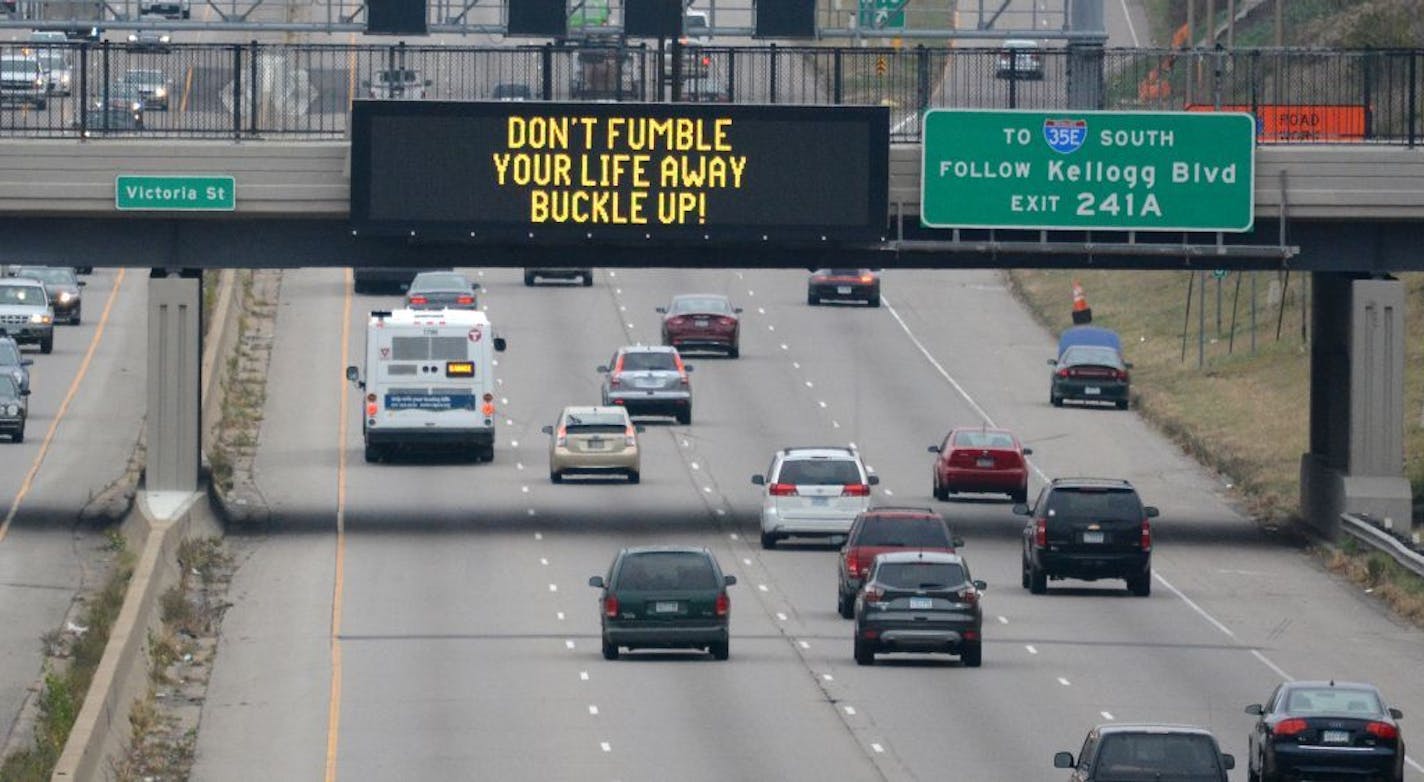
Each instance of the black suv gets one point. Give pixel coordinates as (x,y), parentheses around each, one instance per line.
(1088,528)
(1120,751)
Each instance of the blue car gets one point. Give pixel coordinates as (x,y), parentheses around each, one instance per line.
(1089,368)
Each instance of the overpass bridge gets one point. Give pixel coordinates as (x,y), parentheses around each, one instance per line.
(1346,211)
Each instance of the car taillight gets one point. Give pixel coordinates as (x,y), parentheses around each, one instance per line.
(853,563)
(1040,532)
(1062,372)
(1290,727)
(561,437)
(855,490)
(866,278)
(610,605)
(419,300)
(969,596)
(782,490)
(682,377)
(465,300)
(725,321)
(614,380)
(874,595)
(1382,730)
(1120,374)
(1146,535)
(723,605)
(631,436)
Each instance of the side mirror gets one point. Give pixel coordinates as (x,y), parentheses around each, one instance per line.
(1028,452)
(1396,713)
(595,581)
(640,428)
(1152,512)
(82,283)
(934,449)
(1127,365)
(24,392)
(729,580)
(662,310)
(353,374)
(476,286)
(759,480)
(688,367)
(27,362)
(499,344)
(873,480)
(1228,760)
(602,369)
(1063,760)
(1053,362)
(1255,709)
(737,310)
(547,430)
(956,541)
(980,585)
(1021,509)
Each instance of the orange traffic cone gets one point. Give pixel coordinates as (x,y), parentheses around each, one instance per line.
(1082,313)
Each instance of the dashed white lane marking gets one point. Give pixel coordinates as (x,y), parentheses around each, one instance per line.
(835,424)
(630,325)
(747,561)
(1107,715)
(509,422)
(850,711)
(1030,649)
(762,588)
(622,308)
(877,747)
(828,677)
(751,293)
(499,381)
(795,365)
(560,615)
(553,587)
(1064,682)
(519,465)
(605,746)
(889,493)
(569,644)
(822,403)
(761,310)
(694,466)
(583,676)
(803,644)
(504,400)
(780,617)
(524,489)
(514,443)
(707,489)
(853,447)
(1202,612)
(1003,620)
(770,327)
(593,710)
(544,561)
(784,347)
(538,536)
(809,384)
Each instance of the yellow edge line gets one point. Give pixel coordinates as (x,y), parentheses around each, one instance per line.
(63,407)
(333,710)
(187,88)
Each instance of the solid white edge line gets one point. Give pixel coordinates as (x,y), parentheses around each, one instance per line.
(924,351)
(1107,715)
(1131,28)
(1064,682)
(1192,604)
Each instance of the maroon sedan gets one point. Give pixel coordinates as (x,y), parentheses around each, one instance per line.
(702,321)
(980,459)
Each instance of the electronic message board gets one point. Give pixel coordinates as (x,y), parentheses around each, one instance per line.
(629,172)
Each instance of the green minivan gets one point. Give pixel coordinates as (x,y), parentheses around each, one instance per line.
(664,597)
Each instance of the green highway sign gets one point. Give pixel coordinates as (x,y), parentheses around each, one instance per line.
(178,193)
(882,14)
(1099,170)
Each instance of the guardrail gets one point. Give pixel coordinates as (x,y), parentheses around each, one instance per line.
(291,91)
(1405,550)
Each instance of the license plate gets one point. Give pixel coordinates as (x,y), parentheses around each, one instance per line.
(1092,390)
(701,324)
(820,501)
(843,290)
(665,607)
(597,445)
(985,461)
(1092,537)
(1335,737)
(650,382)
(921,603)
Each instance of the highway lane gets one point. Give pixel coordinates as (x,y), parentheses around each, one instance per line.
(85,413)
(450,629)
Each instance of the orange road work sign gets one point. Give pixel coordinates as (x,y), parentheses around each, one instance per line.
(1275,123)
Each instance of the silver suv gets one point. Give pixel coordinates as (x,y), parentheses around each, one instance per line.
(648,380)
(25,313)
(23,80)
(814,492)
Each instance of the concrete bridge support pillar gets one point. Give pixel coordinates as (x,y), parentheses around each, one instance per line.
(1356,458)
(1085,56)
(175,349)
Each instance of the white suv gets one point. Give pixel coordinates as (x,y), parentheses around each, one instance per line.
(814,492)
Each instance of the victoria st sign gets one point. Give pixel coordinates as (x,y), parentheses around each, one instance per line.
(1098,170)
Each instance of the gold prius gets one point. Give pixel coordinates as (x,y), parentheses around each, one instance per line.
(593,441)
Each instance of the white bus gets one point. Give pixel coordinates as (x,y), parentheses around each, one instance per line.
(429,382)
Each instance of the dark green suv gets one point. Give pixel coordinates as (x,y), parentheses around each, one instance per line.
(664,597)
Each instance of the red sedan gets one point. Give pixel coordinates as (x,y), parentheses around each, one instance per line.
(702,321)
(981,460)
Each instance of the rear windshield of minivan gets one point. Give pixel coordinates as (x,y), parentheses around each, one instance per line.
(819,472)
(1175,756)
(909,533)
(666,570)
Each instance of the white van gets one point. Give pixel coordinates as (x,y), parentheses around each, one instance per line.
(429,382)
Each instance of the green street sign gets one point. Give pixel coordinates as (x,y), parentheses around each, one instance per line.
(1219,274)
(177,193)
(882,14)
(1100,170)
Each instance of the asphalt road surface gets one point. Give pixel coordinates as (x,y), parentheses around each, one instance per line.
(426,620)
(86,408)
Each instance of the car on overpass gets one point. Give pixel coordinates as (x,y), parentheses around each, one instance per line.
(843,285)
(150,40)
(702,321)
(25,313)
(582,273)
(594,441)
(919,602)
(512,91)
(1123,751)
(980,459)
(1019,59)
(23,80)
(397,84)
(882,529)
(58,69)
(665,597)
(14,364)
(14,409)
(815,491)
(64,288)
(1310,729)
(648,380)
(124,97)
(1089,529)
(108,120)
(154,86)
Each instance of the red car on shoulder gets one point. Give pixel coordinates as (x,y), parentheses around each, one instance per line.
(979,459)
(882,529)
(702,321)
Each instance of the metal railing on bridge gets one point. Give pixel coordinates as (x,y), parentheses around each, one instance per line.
(304,91)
